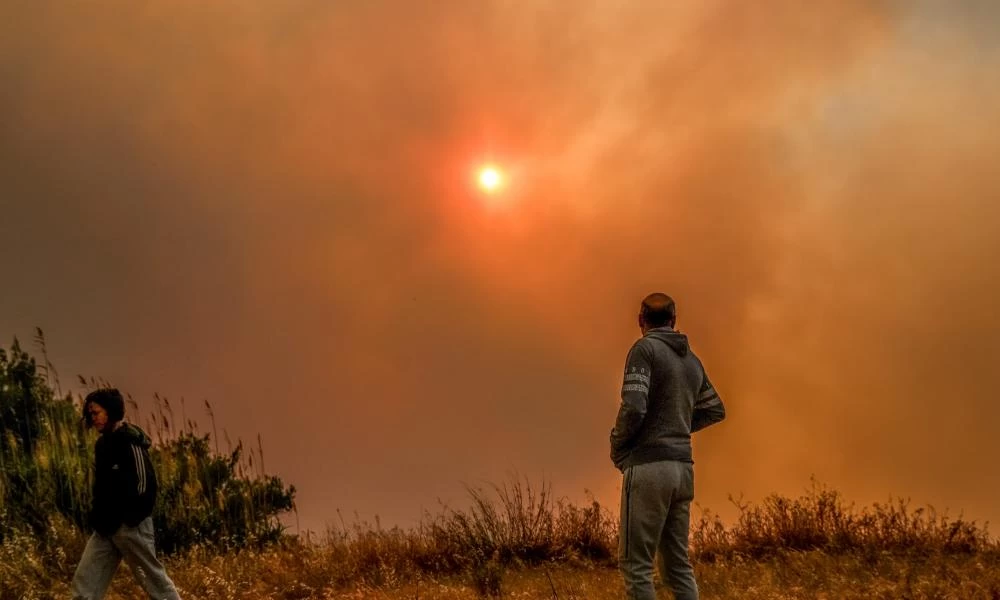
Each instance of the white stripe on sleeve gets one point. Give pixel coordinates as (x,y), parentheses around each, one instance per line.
(140,469)
(635,387)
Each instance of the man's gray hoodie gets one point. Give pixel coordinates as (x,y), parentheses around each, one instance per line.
(666,396)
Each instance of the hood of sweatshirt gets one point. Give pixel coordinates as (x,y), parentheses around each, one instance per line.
(133,434)
(678,342)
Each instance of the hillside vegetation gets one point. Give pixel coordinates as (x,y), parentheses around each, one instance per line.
(218,523)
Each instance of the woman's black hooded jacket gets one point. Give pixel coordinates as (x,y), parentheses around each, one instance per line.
(124,480)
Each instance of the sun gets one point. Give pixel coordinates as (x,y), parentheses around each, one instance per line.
(490,179)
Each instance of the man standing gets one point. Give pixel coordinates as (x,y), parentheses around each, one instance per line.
(666,397)
(124,495)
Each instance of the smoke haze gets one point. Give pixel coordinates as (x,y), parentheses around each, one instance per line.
(269,206)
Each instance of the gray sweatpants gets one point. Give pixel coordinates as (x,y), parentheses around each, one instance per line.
(655,516)
(101,557)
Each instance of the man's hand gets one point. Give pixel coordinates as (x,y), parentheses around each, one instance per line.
(618,454)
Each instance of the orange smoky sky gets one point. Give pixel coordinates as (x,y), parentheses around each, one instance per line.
(271,206)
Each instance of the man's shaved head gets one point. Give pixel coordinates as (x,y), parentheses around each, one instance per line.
(657,310)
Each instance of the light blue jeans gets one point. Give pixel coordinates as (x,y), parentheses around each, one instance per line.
(101,558)
(655,517)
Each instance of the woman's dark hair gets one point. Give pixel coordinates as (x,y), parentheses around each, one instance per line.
(108,398)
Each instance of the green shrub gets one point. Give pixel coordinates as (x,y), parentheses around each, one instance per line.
(46,457)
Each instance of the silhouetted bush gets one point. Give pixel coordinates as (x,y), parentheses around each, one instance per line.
(821,520)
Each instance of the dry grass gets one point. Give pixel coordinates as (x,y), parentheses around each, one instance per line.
(294,573)
(516,542)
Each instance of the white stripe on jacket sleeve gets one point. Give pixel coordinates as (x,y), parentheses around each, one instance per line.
(140,470)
